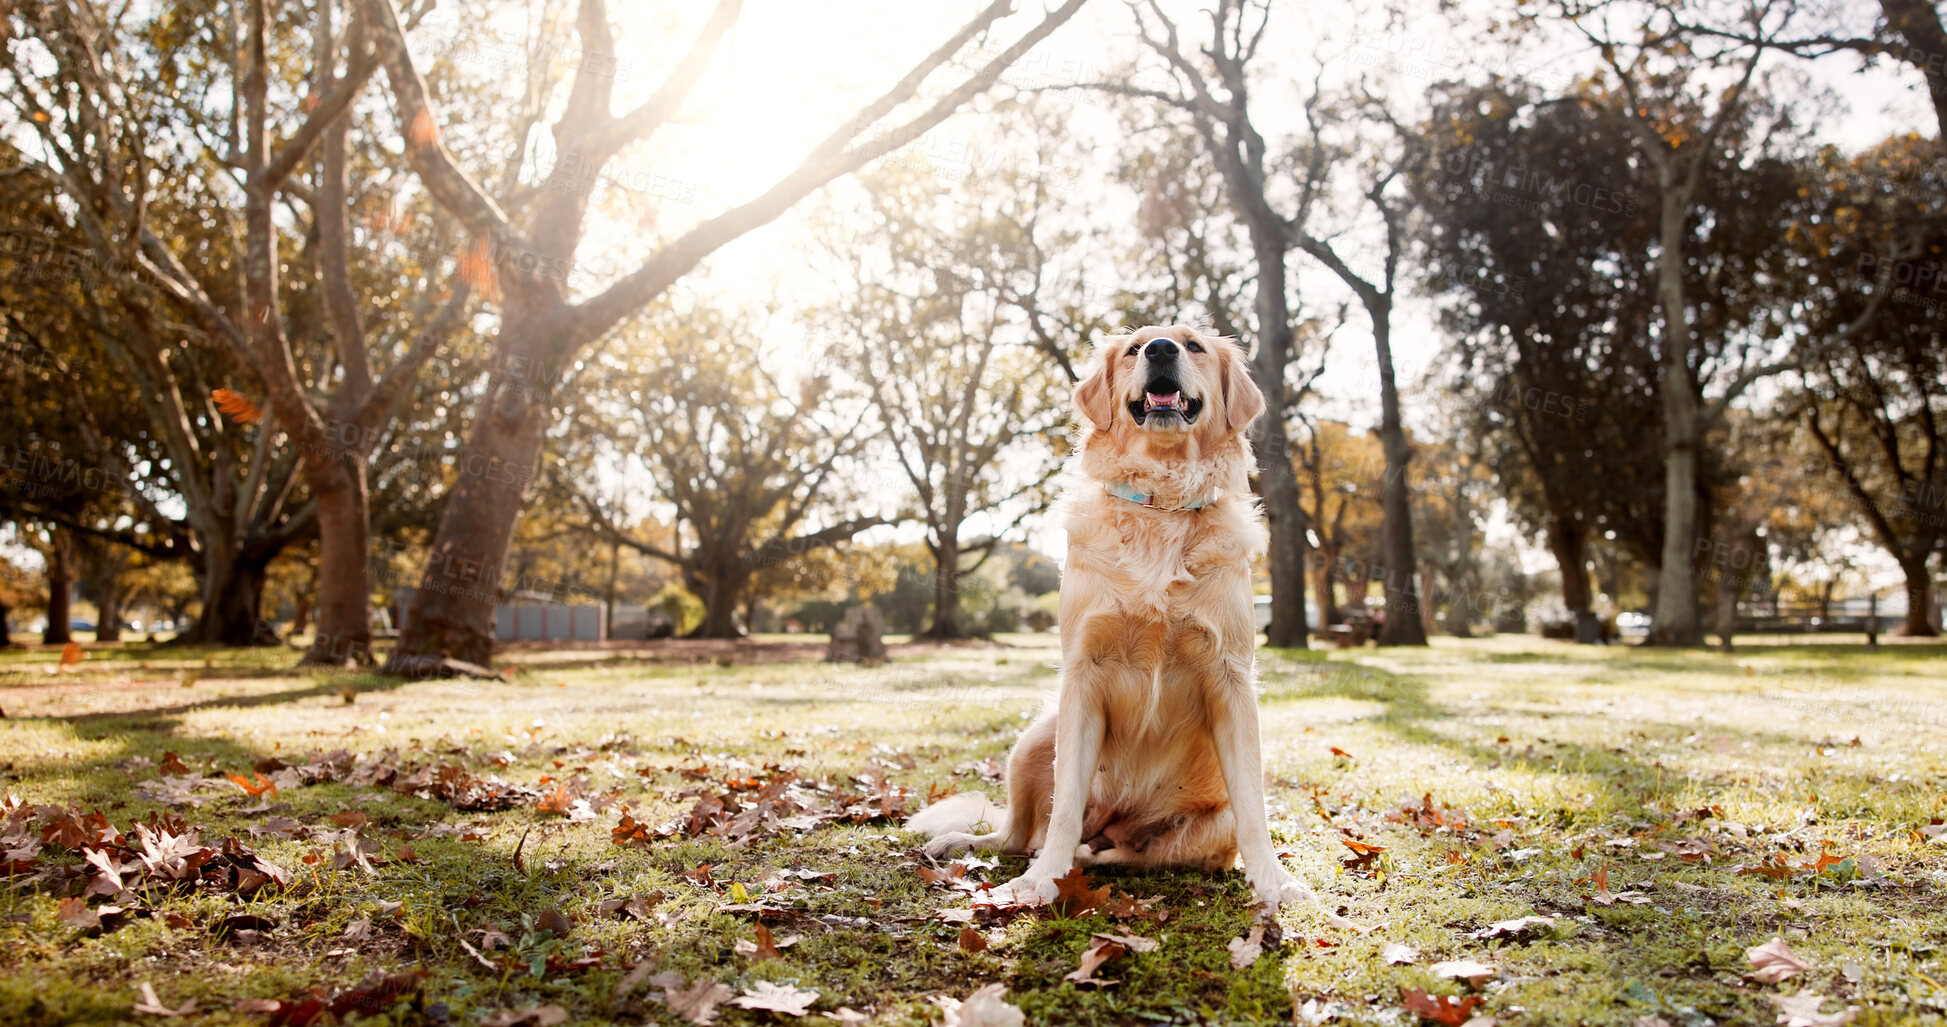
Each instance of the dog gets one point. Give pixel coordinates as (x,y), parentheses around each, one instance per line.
(1149,754)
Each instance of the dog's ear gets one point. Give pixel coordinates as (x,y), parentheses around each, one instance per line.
(1095,396)
(1243,400)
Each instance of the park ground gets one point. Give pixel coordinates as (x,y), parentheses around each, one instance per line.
(1504,830)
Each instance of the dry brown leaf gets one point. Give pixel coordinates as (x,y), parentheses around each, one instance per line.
(1521,929)
(1463,970)
(972,940)
(1446,1009)
(71,655)
(1774,961)
(1802,1010)
(764,947)
(984,1008)
(1074,897)
(152,1005)
(697,1003)
(533,1016)
(1244,951)
(1396,954)
(776,998)
(75,913)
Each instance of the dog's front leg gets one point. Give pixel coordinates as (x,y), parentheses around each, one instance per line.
(1234,725)
(1078,745)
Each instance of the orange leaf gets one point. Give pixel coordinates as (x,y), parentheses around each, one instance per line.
(72,654)
(237,406)
(424,131)
(1336,751)
(1445,1009)
(262,786)
(1073,895)
(477,269)
(558,801)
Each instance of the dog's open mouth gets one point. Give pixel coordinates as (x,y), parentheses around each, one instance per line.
(1163,403)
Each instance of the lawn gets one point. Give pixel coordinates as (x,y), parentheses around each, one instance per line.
(1511,830)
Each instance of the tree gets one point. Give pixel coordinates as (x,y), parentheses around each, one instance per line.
(1406,611)
(542,328)
(965,404)
(1534,239)
(1873,394)
(172,196)
(747,464)
(1682,133)
(1223,124)
(1343,471)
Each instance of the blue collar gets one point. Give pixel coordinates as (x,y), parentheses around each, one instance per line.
(1121,490)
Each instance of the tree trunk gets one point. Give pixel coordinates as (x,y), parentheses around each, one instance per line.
(1327,560)
(233,592)
(946,589)
(1570,548)
(344,637)
(452,611)
(1404,624)
(1676,620)
(1918,23)
(108,608)
(1429,598)
(1922,614)
(60,587)
(6,632)
(1358,586)
(721,588)
(1277,480)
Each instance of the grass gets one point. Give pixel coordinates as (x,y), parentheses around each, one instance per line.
(1550,769)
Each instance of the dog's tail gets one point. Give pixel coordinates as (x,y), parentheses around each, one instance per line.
(961,812)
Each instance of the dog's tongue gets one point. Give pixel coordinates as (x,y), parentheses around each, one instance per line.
(1170,399)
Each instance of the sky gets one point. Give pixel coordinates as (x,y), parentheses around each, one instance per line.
(793,69)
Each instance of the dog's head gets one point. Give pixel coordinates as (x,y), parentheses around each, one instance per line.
(1169,384)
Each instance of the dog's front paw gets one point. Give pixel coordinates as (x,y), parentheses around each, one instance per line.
(949,844)
(1275,889)
(1029,889)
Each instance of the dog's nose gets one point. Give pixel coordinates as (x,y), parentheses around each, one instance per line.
(1160,349)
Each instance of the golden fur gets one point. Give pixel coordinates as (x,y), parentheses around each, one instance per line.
(1157,699)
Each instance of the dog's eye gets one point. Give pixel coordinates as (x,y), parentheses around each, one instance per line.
(1193,346)
(1131,351)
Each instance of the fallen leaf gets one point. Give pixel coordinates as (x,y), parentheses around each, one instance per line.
(1106,948)
(71,656)
(1802,1010)
(1521,929)
(1774,961)
(261,786)
(984,1008)
(532,1016)
(552,919)
(172,765)
(75,913)
(152,1005)
(1244,951)
(1446,1009)
(1074,896)
(1463,970)
(1344,924)
(697,1004)
(1395,953)
(972,940)
(765,947)
(776,998)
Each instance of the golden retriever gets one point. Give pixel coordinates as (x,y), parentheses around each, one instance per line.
(1149,753)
